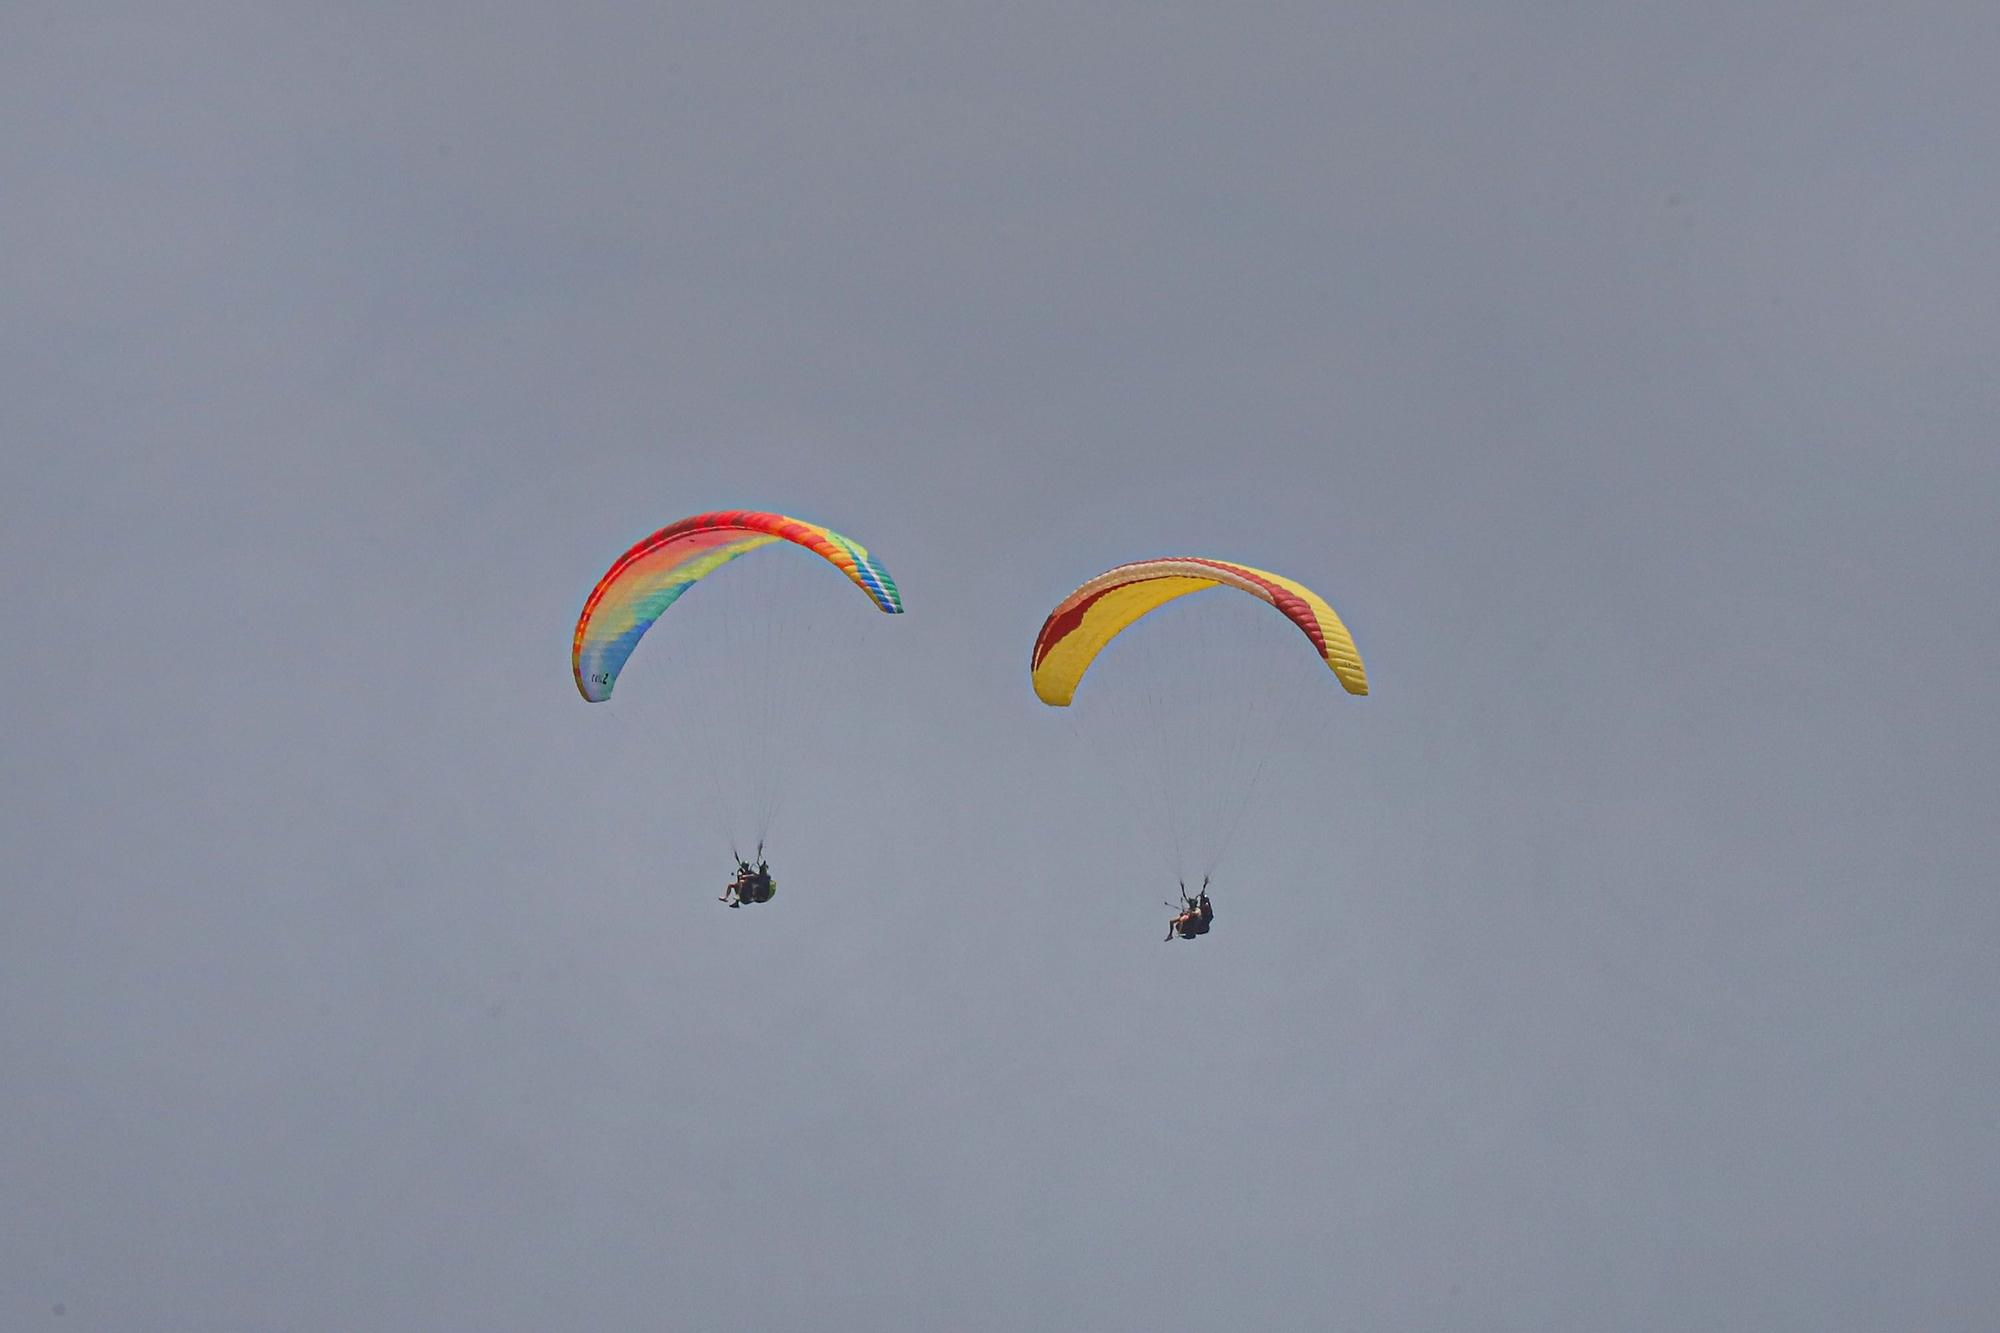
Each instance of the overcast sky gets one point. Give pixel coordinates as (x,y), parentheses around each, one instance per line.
(1625,375)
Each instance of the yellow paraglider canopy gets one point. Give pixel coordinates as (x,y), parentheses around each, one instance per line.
(1089,618)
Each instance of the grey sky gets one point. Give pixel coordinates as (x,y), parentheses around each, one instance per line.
(1625,378)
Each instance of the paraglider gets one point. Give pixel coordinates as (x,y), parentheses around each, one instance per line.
(1194,916)
(751,885)
(737,695)
(1205,789)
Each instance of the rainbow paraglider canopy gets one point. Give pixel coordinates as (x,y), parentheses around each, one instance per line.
(649,578)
